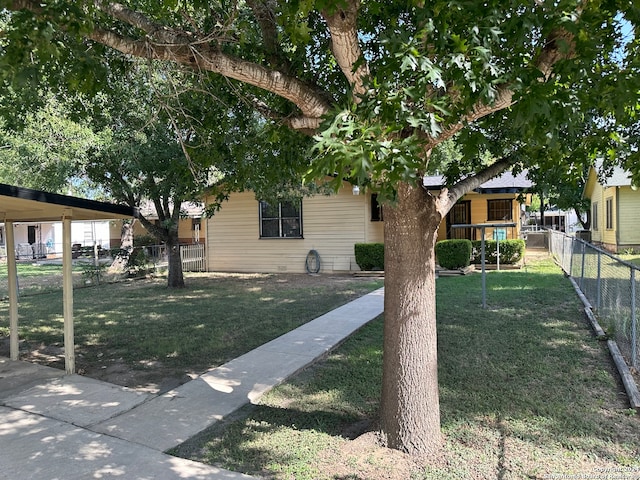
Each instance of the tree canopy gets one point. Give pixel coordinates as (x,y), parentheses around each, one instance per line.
(391,81)
(47,152)
(378,85)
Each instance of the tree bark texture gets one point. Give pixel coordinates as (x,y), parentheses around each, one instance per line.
(126,245)
(410,412)
(175,277)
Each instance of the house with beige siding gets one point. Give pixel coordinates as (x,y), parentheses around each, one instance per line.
(247,235)
(615,210)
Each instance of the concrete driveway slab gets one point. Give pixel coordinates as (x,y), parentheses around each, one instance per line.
(77,400)
(39,448)
(16,376)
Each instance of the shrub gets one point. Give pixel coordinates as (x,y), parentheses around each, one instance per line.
(370,256)
(145,240)
(453,254)
(511,251)
(93,273)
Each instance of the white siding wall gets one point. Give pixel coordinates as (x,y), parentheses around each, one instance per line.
(331,225)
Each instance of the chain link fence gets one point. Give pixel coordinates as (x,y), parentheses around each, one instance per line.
(611,285)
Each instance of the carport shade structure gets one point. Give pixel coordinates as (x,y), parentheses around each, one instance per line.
(19,204)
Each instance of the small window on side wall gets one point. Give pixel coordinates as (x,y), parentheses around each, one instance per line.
(376,209)
(281,219)
(609,213)
(499,209)
(594,215)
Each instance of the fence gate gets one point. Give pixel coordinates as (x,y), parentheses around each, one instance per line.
(193,259)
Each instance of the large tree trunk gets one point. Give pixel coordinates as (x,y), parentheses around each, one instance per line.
(176,278)
(126,246)
(410,410)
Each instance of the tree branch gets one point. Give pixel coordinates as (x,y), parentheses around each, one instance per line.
(124,14)
(449,196)
(162,43)
(559,45)
(309,100)
(263,10)
(345,46)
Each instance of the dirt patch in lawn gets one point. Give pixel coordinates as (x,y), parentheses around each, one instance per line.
(366,456)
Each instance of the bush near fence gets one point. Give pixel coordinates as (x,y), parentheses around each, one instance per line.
(511,251)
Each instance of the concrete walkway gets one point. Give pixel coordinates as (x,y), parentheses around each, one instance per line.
(54,426)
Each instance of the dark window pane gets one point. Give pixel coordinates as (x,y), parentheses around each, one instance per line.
(280,220)
(459,213)
(290,209)
(376,209)
(269,211)
(499,209)
(291,227)
(270,228)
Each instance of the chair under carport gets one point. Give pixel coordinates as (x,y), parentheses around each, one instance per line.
(19,204)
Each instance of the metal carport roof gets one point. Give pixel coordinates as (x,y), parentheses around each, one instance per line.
(19,204)
(26,205)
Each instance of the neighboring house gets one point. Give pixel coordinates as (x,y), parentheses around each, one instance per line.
(246,235)
(495,201)
(44,239)
(190,228)
(563,220)
(615,210)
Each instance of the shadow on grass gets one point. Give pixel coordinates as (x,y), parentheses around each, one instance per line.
(144,325)
(528,364)
(526,371)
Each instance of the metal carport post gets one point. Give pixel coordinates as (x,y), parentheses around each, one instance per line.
(23,204)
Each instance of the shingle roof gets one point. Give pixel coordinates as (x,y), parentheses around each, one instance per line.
(619,178)
(504,183)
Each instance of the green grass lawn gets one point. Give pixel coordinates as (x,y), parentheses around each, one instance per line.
(634,259)
(153,332)
(525,389)
(36,277)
